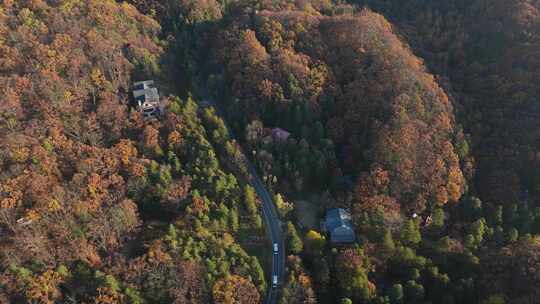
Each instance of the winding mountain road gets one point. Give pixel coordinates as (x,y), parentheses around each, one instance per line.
(273,228)
(272,223)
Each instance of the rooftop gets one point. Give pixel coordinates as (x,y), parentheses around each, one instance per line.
(339,225)
(142,85)
(146,94)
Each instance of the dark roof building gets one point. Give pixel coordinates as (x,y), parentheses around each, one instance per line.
(339,226)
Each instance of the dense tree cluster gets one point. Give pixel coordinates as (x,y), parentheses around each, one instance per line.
(98,205)
(355,101)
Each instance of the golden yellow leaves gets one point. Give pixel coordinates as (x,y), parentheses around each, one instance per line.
(67,96)
(53,205)
(32,215)
(12,192)
(51,53)
(68,6)
(450,177)
(127,150)
(19,154)
(44,288)
(228,239)
(222,294)
(175,138)
(58,52)
(272,31)
(456,184)
(28,19)
(97,77)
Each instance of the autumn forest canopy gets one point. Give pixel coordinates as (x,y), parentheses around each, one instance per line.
(419,118)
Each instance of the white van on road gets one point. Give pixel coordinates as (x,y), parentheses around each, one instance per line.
(274,281)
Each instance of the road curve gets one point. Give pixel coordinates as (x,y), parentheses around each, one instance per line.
(272,224)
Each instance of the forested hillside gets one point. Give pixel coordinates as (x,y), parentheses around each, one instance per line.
(487,50)
(96,204)
(347,84)
(420,118)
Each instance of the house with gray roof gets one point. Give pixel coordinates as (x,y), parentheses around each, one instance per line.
(147,98)
(339,227)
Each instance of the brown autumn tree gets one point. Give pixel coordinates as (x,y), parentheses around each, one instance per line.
(235,289)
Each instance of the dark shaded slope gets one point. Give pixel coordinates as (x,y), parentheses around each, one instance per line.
(487,49)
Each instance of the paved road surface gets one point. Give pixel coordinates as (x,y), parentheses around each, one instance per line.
(273,227)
